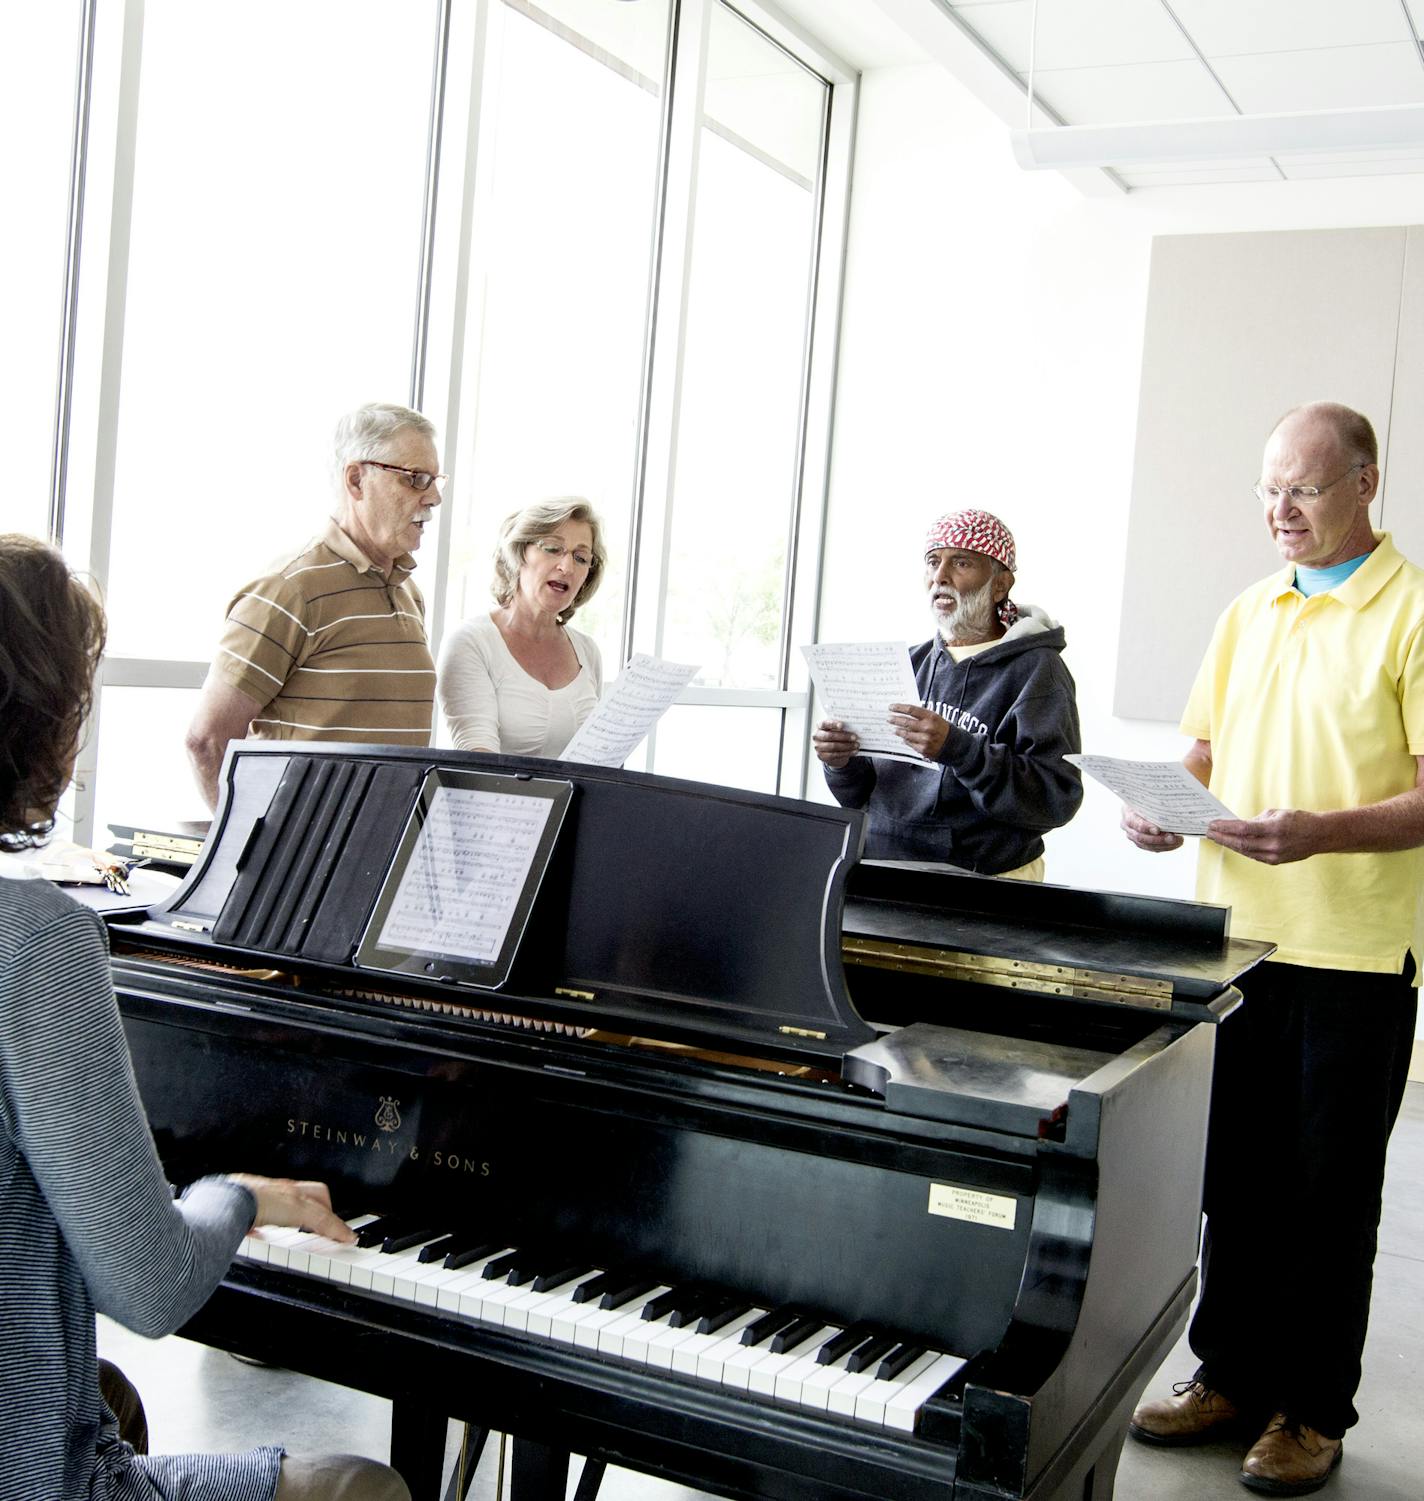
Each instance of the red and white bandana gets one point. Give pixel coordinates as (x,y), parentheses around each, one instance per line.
(974,531)
(981,532)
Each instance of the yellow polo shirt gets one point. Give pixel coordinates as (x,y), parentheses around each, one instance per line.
(1318,704)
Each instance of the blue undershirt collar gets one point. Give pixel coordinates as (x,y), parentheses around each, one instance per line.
(1309,581)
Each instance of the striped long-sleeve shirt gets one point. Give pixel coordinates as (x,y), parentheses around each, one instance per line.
(87,1220)
(332,648)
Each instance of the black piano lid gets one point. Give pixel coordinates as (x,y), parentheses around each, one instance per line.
(1182,943)
(669,908)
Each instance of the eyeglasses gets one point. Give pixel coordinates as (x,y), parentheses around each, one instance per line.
(1299,495)
(554,549)
(417,479)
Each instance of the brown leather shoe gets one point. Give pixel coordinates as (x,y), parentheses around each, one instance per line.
(1194,1414)
(1290,1459)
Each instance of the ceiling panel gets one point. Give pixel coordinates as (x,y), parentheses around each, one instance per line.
(1185,174)
(1078,33)
(1148,91)
(1344,78)
(1377,164)
(1233,27)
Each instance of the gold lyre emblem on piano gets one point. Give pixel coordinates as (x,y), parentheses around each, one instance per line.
(388,1116)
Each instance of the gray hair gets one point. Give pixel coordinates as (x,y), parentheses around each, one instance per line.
(531,524)
(364,433)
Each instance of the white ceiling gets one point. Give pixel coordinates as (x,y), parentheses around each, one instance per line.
(1099,62)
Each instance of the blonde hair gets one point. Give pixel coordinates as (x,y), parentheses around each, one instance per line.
(532,524)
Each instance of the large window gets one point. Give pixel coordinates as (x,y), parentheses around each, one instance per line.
(735,487)
(40,45)
(566,200)
(271,286)
(589,239)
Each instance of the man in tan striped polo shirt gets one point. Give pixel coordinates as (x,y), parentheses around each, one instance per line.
(332,645)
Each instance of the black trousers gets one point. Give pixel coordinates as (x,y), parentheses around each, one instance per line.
(1309,1078)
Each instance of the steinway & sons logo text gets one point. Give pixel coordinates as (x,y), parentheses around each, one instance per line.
(386,1138)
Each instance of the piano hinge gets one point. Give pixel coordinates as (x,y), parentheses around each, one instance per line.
(802,1032)
(573,995)
(1013,974)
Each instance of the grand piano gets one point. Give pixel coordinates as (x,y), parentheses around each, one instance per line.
(681,1138)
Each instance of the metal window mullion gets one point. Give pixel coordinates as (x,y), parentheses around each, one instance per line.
(111,373)
(813,491)
(73,241)
(475,25)
(651,543)
(431,203)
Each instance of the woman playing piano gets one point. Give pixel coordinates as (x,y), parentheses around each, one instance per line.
(520,680)
(87,1219)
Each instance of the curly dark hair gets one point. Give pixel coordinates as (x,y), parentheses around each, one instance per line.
(51,638)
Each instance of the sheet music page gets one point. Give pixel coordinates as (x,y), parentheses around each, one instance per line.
(460,887)
(858,681)
(642,694)
(1163,791)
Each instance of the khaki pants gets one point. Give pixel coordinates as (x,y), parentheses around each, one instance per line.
(328,1477)
(339,1477)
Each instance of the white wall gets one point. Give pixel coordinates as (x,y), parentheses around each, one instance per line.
(991,355)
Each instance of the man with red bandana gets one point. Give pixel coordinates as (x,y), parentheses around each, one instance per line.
(996,716)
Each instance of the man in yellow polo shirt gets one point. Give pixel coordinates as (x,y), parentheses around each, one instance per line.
(1308,720)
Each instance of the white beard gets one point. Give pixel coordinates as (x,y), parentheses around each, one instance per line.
(972,619)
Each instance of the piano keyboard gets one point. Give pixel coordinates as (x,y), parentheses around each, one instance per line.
(701,1332)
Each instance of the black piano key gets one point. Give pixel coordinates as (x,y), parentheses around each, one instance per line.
(464,1255)
(792,1335)
(374,1233)
(843,1343)
(870,1352)
(500,1265)
(407,1240)
(556,1276)
(699,1301)
(897,1361)
(595,1287)
(620,1297)
(673,1298)
(437,1250)
(523,1267)
(760,1330)
(720,1315)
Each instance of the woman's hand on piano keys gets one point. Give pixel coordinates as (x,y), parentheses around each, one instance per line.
(299,1205)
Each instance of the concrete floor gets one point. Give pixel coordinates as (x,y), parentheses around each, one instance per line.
(200,1399)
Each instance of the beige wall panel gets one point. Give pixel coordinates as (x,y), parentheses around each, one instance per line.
(1240,327)
(1402,503)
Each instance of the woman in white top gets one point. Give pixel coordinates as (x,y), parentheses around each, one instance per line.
(519,681)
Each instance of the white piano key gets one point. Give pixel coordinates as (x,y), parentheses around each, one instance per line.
(611,1336)
(737,1369)
(726,1343)
(764,1374)
(902,1409)
(397,1264)
(638,1342)
(279,1239)
(558,1304)
(663,1347)
(686,1356)
(816,1387)
(789,1382)
(468,1282)
(841,1397)
(870,1404)
(590,1330)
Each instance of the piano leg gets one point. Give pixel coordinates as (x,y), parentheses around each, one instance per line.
(472,1445)
(418,1445)
(540,1472)
(590,1480)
